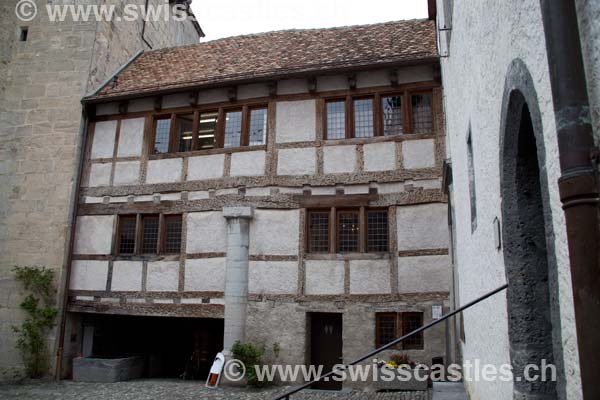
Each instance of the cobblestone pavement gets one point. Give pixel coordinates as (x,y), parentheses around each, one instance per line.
(170,390)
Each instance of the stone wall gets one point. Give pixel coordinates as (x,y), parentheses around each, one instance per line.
(42,82)
(504,31)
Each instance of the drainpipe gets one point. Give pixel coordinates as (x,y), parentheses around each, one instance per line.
(578,184)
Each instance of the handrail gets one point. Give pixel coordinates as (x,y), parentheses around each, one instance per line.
(287,395)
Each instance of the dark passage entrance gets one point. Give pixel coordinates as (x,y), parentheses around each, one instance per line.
(326,345)
(170,346)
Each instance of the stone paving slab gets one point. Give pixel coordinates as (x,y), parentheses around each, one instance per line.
(170,390)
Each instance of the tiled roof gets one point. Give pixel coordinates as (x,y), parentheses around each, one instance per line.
(276,54)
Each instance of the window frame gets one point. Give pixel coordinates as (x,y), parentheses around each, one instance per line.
(173,146)
(139,235)
(378,117)
(399,329)
(333,229)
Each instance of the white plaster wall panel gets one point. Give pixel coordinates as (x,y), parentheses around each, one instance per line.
(418,153)
(258,191)
(107,109)
(424,274)
(127,173)
(164,171)
(332,82)
(339,159)
(248,163)
(380,156)
(88,275)
(419,73)
(297,161)
(252,91)
(103,144)
(143,198)
(291,190)
(205,167)
(396,187)
(296,121)
(131,137)
(146,104)
(212,96)
(163,276)
(515,32)
(170,196)
(118,199)
(206,232)
(291,86)
(324,277)
(423,226)
(176,100)
(274,232)
(205,275)
(373,78)
(93,200)
(93,234)
(356,189)
(322,190)
(126,276)
(370,276)
(100,175)
(225,192)
(273,277)
(429,183)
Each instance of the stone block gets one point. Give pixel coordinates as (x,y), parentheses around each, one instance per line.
(107,370)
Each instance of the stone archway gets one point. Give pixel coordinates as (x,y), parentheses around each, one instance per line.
(530,262)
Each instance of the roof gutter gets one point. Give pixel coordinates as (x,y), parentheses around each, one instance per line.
(578,184)
(114,76)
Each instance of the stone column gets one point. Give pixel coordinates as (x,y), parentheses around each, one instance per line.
(236,275)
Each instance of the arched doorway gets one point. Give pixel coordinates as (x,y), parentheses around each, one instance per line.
(532,295)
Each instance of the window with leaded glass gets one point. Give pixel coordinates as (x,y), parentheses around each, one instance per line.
(348,231)
(127,233)
(386,328)
(336,119)
(377,230)
(412,321)
(185,126)
(150,234)
(172,234)
(258,126)
(318,231)
(162,134)
(391,108)
(363,118)
(421,111)
(233,129)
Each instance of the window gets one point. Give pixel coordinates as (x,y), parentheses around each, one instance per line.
(207,131)
(319,229)
(185,127)
(346,233)
(336,119)
(155,236)
(391,326)
(363,118)
(421,110)
(258,126)
(233,129)
(379,115)
(471,172)
(212,128)
(23,33)
(377,231)
(172,234)
(162,127)
(127,233)
(391,107)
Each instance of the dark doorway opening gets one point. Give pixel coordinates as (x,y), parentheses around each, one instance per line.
(171,347)
(526,257)
(326,346)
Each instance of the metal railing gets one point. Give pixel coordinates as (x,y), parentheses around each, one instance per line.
(287,395)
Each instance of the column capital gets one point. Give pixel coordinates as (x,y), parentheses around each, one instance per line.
(238,212)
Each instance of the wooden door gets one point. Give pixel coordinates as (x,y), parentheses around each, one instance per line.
(326,346)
